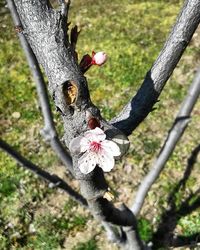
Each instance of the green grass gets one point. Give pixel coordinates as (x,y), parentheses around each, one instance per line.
(190,224)
(132,34)
(145,229)
(89,245)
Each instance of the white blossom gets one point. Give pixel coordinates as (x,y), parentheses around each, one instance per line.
(96,151)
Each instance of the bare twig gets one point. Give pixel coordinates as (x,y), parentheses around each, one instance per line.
(74,36)
(48,131)
(57,181)
(65,7)
(174,135)
(141,104)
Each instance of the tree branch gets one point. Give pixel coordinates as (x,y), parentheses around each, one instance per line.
(48,39)
(49,131)
(65,7)
(141,104)
(174,135)
(57,181)
(46,31)
(93,189)
(112,233)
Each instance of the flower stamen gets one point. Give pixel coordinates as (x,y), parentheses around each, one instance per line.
(95,146)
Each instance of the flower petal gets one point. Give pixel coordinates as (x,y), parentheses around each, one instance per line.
(106,161)
(96,135)
(74,145)
(87,162)
(84,144)
(111,147)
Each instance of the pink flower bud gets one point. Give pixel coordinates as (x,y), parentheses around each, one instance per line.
(99,58)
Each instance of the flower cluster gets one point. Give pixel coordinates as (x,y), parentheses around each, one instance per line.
(96,151)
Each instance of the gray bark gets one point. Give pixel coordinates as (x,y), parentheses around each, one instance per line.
(49,131)
(142,103)
(180,124)
(46,31)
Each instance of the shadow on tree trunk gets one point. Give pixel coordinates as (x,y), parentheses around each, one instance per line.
(164,236)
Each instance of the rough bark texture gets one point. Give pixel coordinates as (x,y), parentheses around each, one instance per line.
(142,103)
(46,31)
(49,132)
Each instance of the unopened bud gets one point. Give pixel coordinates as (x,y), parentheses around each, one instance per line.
(99,58)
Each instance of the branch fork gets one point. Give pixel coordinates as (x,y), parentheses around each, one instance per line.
(46,31)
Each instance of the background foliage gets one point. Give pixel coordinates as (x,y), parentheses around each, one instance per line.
(32,216)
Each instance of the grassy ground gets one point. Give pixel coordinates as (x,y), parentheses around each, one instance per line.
(32,216)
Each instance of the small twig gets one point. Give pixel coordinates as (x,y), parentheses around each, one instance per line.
(57,181)
(174,135)
(49,131)
(74,36)
(65,7)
